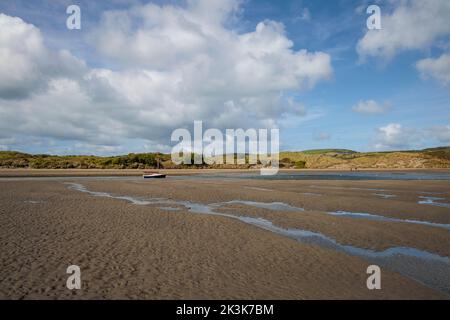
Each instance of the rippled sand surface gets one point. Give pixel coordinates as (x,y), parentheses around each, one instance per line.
(223,239)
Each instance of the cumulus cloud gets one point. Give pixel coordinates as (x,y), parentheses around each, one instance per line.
(371,107)
(26,65)
(412,25)
(437,69)
(173,65)
(203,52)
(394,136)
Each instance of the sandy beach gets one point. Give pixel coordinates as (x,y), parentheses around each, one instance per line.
(178,238)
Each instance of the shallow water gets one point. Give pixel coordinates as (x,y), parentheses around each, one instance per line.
(276,206)
(280,206)
(370,216)
(311,194)
(259,189)
(423,266)
(384,196)
(305,175)
(169,208)
(366,175)
(348,188)
(432,202)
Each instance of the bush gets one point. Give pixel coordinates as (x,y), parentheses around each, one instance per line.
(300,164)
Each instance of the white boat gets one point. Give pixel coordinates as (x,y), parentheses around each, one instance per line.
(153,175)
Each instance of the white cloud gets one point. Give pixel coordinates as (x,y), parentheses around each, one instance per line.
(371,107)
(438,69)
(173,65)
(394,136)
(26,65)
(198,49)
(412,25)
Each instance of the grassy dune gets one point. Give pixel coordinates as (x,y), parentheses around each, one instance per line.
(335,159)
(309,159)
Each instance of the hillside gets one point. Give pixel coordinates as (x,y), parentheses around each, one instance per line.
(332,159)
(310,159)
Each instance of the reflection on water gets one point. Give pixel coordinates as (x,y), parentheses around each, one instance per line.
(423,266)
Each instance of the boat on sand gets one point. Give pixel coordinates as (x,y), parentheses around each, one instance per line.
(153,175)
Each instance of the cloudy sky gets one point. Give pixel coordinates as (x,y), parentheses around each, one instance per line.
(139,69)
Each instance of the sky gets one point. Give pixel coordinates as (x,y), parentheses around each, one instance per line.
(138,70)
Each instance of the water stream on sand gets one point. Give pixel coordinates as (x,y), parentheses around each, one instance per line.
(425,267)
(432,202)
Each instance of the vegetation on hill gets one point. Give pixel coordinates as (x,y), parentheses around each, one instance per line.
(341,159)
(325,151)
(11,159)
(332,159)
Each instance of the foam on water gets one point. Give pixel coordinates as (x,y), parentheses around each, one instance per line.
(425,267)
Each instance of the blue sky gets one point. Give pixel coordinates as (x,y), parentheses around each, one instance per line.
(384,91)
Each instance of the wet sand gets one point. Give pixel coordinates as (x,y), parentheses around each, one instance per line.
(152,251)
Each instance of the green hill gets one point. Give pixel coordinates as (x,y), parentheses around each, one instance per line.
(348,159)
(339,159)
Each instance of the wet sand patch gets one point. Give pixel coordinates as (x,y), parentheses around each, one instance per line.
(135,250)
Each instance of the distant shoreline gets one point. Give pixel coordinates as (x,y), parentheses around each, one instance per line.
(335,160)
(17,173)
